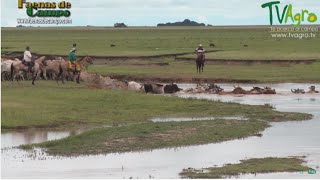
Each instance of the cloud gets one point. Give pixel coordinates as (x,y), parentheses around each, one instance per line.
(202,19)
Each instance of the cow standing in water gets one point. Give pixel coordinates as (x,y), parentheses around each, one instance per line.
(200,58)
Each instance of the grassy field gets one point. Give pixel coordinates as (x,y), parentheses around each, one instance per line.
(250,166)
(148,136)
(176,71)
(157,41)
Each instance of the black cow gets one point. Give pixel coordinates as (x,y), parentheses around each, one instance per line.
(161,89)
(171,88)
(148,88)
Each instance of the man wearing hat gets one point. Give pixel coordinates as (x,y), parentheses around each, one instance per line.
(27,58)
(72,58)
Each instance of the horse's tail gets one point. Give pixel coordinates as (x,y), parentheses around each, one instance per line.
(11,70)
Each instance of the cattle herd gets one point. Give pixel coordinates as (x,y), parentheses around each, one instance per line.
(154,88)
(157,88)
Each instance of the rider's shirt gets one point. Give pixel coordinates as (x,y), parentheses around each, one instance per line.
(27,56)
(72,57)
(199,50)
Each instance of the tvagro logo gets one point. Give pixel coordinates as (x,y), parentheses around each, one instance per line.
(287,16)
(310,171)
(46,9)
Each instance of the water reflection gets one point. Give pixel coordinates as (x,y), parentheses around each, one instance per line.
(16,138)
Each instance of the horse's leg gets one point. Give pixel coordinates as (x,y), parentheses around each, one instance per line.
(15,77)
(44,74)
(62,78)
(70,76)
(78,78)
(34,77)
(202,67)
(57,77)
(197,66)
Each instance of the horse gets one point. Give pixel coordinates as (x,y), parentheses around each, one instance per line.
(61,67)
(52,68)
(17,67)
(6,68)
(200,62)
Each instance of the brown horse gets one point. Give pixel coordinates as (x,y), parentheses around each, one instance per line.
(17,67)
(61,68)
(52,68)
(200,62)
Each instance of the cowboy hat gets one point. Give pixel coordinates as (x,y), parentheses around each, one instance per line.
(73,49)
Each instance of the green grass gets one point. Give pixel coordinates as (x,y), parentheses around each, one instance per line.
(250,166)
(147,136)
(186,71)
(157,41)
(63,106)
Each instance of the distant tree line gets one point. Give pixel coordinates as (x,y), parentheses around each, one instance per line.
(120,25)
(186,22)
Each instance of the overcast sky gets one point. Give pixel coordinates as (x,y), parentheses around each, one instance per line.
(152,12)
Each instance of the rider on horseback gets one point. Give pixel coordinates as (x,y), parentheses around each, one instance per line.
(72,58)
(27,59)
(201,50)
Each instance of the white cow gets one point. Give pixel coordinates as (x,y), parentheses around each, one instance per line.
(134,86)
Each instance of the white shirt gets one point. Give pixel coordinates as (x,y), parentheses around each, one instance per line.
(27,56)
(200,51)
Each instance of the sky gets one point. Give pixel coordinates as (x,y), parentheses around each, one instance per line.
(152,12)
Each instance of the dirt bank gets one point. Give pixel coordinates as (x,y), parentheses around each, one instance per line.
(179,80)
(243,61)
(102,59)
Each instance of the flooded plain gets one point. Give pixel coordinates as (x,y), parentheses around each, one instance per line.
(283,139)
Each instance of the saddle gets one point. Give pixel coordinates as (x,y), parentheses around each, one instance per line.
(74,66)
(29,64)
(24,62)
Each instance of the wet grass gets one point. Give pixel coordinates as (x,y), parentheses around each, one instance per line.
(52,105)
(250,166)
(236,43)
(148,136)
(186,72)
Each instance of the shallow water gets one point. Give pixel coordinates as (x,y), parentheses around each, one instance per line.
(16,138)
(282,139)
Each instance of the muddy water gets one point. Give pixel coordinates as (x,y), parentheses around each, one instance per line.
(282,139)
